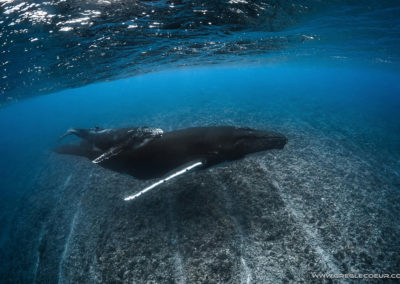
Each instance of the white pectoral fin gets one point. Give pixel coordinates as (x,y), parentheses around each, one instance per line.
(175,174)
(106,155)
(119,148)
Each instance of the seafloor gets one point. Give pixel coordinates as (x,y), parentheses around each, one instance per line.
(323,204)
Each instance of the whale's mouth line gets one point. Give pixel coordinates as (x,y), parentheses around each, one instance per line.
(154,185)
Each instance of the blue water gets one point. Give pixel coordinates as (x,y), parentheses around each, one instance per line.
(313,71)
(53,45)
(360,104)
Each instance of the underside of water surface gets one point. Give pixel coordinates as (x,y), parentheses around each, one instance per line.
(323,74)
(52,45)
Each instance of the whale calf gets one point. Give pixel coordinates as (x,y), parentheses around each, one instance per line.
(111,142)
(147,153)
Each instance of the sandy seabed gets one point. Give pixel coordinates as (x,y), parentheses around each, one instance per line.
(321,205)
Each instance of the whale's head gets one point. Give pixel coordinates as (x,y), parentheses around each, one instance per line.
(247,140)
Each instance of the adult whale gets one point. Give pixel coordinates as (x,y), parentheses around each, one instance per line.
(164,152)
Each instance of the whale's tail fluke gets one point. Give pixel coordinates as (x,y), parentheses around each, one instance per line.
(69,132)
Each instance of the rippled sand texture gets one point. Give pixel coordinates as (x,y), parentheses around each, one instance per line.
(320,205)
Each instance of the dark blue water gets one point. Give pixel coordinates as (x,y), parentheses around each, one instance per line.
(324,74)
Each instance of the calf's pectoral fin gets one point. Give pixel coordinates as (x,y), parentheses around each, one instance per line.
(108,154)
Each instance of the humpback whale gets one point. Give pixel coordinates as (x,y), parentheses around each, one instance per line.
(111,142)
(147,153)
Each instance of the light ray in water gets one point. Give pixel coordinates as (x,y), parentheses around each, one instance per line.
(178,173)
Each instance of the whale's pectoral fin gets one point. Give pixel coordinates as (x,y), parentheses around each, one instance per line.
(110,153)
(133,142)
(113,151)
(179,172)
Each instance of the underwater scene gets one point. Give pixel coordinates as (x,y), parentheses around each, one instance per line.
(174,141)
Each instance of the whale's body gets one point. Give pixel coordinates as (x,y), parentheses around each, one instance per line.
(163,153)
